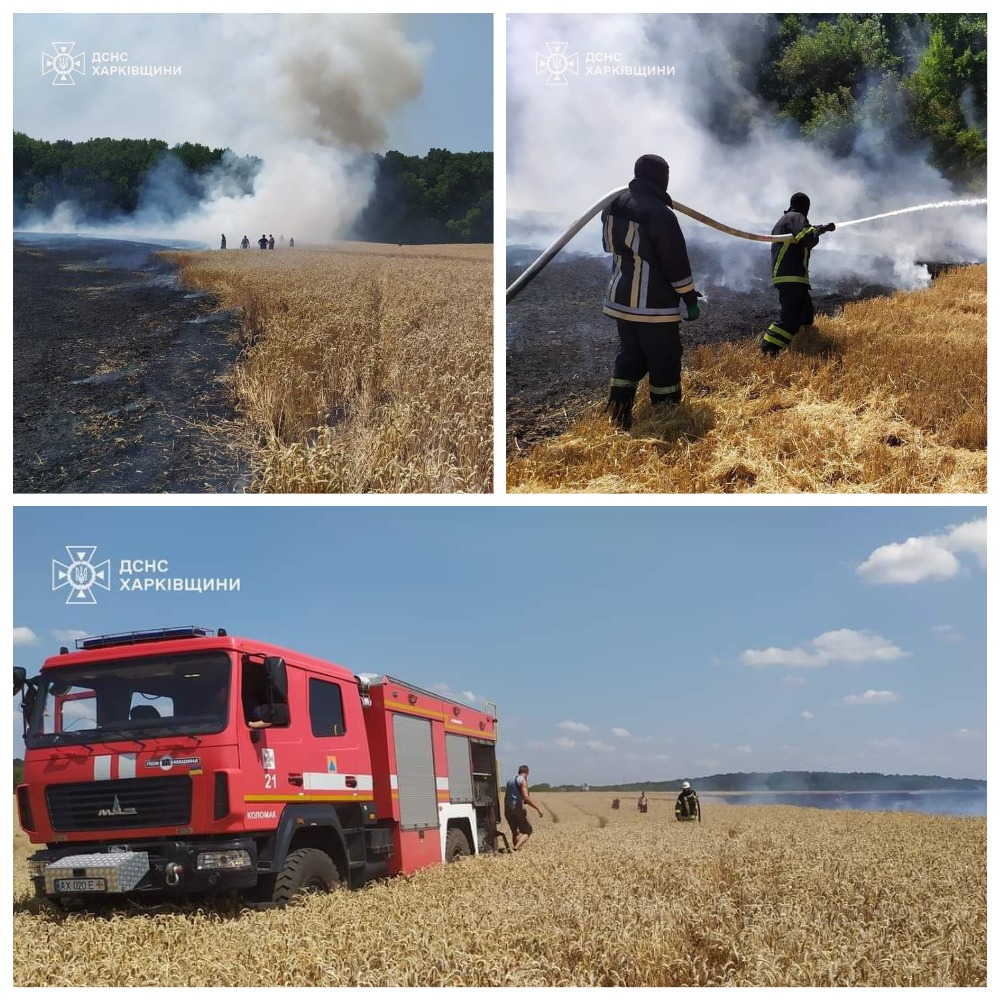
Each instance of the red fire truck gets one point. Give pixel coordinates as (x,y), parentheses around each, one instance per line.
(183,761)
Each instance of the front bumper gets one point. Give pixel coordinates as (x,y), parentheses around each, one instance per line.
(169,867)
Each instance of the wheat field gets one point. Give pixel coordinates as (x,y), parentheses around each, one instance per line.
(753,895)
(367,368)
(887,397)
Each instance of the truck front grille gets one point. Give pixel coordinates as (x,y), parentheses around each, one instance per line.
(120,805)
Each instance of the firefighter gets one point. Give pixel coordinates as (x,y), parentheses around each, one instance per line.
(687,808)
(650,277)
(515,800)
(790,273)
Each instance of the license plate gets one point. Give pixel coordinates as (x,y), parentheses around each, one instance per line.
(81,885)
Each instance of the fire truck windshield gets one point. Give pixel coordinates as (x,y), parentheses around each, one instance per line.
(131,699)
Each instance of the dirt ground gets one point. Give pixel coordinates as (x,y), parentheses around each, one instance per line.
(561,348)
(121,380)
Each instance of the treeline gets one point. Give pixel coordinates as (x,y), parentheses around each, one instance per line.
(920,78)
(108,178)
(442,197)
(792,781)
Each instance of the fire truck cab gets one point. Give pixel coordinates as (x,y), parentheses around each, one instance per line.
(182,761)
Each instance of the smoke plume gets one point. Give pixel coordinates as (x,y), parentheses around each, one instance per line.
(571,141)
(310,95)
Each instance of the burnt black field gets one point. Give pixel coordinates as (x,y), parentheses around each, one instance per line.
(121,378)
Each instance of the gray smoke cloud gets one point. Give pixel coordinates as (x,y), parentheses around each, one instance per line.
(308,94)
(570,143)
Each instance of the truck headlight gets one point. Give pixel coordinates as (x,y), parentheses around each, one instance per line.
(210,860)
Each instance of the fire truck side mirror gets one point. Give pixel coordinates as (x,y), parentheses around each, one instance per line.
(277,677)
(20,678)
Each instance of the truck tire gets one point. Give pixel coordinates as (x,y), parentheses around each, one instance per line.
(306,870)
(456,845)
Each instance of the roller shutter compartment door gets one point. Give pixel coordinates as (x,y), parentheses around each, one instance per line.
(415,772)
(459,768)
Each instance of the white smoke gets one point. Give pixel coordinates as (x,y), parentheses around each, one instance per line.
(570,143)
(309,95)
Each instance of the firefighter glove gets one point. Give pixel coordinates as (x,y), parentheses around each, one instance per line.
(693,311)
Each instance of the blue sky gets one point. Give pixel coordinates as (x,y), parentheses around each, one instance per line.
(619,643)
(222,96)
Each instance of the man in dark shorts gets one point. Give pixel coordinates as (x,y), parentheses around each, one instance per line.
(515,800)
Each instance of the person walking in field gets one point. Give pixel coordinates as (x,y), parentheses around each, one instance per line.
(515,800)
(245,243)
(688,808)
(650,279)
(291,241)
(643,803)
(270,242)
(262,242)
(223,247)
(790,273)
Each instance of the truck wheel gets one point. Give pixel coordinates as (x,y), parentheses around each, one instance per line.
(306,870)
(456,845)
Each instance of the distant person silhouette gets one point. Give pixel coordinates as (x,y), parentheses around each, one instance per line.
(262,242)
(245,243)
(223,247)
(270,242)
(291,241)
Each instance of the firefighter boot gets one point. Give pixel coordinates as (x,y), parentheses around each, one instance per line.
(666,396)
(621,399)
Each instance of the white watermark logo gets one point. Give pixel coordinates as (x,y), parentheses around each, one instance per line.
(81,575)
(557,64)
(144,575)
(63,64)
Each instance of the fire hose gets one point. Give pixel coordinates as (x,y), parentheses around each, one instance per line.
(537,265)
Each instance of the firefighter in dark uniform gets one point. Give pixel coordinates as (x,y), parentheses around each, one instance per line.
(790,273)
(650,277)
(687,808)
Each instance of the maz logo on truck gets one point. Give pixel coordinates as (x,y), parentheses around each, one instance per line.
(116,810)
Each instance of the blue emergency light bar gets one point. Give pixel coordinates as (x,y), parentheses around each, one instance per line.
(147,635)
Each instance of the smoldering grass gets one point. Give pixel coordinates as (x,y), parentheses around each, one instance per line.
(888,397)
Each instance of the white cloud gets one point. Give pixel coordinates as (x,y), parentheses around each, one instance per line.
(600,746)
(535,744)
(806,715)
(967,734)
(716,662)
(573,727)
(743,749)
(565,743)
(842,645)
(872,698)
(23,636)
(946,633)
(68,634)
(622,734)
(463,697)
(926,557)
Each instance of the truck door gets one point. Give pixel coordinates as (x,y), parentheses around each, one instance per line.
(336,765)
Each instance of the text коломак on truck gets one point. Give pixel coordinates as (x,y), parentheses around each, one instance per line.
(182,761)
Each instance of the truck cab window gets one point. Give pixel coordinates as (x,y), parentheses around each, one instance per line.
(258,698)
(326,708)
